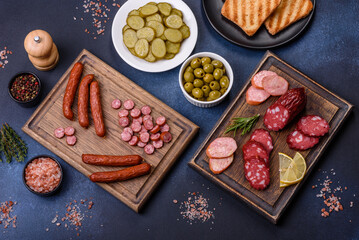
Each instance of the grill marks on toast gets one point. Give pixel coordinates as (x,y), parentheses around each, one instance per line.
(249,14)
(287,13)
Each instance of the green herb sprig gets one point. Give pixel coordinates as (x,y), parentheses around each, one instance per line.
(11,145)
(245,124)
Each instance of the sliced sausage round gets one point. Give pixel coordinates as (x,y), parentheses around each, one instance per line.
(69,131)
(144,137)
(147,117)
(155,137)
(313,126)
(221,147)
(255,149)
(135,113)
(71,140)
(262,136)
(166,137)
(218,165)
(298,141)
(141,144)
(257,79)
(255,96)
(143,129)
(276,117)
(59,132)
(275,85)
(149,149)
(165,128)
(161,120)
(134,140)
(139,119)
(148,124)
(124,121)
(128,104)
(123,113)
(128,129)
(257,173)
(126,136)
(146,110)
(156,129)
(116,104)
(136,126)
(158,144)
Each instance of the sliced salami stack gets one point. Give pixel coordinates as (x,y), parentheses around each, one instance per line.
(307,133)
(220,153)
(256,154)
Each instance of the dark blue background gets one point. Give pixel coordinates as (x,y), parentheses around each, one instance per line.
(328,52)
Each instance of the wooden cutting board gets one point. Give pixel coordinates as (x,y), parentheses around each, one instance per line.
(48,117)
(272,201)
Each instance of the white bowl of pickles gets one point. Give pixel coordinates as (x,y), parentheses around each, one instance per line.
(205,79)
(154,36)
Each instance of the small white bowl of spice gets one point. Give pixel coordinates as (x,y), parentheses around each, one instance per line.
(205,79)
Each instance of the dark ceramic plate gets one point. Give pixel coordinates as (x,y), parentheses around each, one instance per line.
(261,39)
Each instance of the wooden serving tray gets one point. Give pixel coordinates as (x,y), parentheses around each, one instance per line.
(272,201)
(49,116)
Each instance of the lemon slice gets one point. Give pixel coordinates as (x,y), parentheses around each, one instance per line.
(291,170)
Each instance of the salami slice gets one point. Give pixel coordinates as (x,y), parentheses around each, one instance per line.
(146,110)
(255,96)
(218,165)
(69,131)
(148,124)
(124,121)
(135,113)
(161,120)
(147,117)
(165,128)
(144,137)
(275,85)
(221,147)
(298,141)
(71,140)
(59,132)
(116,104)
(166,137)
(276,117)
(158,144)
(128,104)
(128,129)
(262,136)
(258,78)
(141,144)
(156,129)
(149,149)
(313,126)
(257,173)
(126,136)
(136,126)
(123,113)
(134,140)
(255,149)
(139,119)
(155,137)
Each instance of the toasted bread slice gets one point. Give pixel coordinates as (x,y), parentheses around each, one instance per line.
(287,13)
(249,14)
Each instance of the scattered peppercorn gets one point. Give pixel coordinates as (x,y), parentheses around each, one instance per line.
(25,88)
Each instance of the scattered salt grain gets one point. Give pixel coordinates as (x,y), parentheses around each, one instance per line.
(6,216)
(196,208)
(3,57)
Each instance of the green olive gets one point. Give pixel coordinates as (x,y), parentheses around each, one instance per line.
(208,78)
(188,77)
(198,83)
(224,70)
(214,85)
(214,94)
(209,99)
(217,64)
(199,73)
(223,90)
(206,90)
(195,63)
(208,68)
(205,60)
(197,92)
(188,87)
(189,69)
(217,74)
(224,82)
(202,99)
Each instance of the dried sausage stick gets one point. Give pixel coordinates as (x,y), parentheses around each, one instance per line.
(70,91)
(110,160)
(121,175)
(83,101)
(96,109)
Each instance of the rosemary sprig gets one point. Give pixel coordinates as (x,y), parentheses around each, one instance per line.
(11,144)
(245,124)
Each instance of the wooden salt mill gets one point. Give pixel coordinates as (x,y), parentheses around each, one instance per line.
(41,50)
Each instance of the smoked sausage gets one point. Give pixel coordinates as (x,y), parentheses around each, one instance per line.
(83,101)
(110,160)
(70,91)
(96,109)
(121,175)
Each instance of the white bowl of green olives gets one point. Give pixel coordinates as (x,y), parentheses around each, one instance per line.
(205,79)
